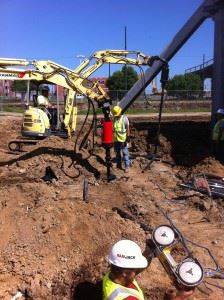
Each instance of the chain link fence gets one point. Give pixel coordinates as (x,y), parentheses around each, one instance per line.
(169,95)
(174,100)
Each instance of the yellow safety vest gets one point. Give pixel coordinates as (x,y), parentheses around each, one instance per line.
(115,291)
(120,132)
(216,131)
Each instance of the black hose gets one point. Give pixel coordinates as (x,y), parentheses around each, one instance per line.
(163,80)
(91,126)
(159,122)
(80,131)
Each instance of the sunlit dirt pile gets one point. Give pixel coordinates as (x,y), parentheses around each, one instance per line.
(55,235)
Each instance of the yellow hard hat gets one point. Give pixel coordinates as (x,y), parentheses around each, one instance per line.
(116,111)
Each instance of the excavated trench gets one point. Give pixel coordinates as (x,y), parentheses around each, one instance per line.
(182,143)
(185,142)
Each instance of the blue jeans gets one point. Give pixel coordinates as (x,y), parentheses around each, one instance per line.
(121,149)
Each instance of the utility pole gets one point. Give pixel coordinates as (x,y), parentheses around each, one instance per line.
(203,75)
(125,48)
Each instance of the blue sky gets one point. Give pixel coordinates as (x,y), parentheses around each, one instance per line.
(60,30)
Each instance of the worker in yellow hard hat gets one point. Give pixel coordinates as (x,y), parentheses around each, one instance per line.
(218,136)
(126,262)
(121,137)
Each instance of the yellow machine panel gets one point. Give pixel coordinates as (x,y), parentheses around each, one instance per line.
(35,123)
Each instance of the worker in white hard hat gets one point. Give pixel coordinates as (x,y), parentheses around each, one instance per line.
(218,136)
(121,138)
(126,261)
(42,100)
(44,103)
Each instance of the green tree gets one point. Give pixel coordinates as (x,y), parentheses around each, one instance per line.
(21,86)
(186,82)
(117,81)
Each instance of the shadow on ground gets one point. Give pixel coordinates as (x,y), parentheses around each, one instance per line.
(88,290)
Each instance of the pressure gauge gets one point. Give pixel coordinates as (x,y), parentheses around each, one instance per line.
(190,272)
(164,235)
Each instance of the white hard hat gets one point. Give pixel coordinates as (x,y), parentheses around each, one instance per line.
(127,254)
(220,111)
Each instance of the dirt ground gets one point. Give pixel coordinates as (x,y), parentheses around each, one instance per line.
(55,238)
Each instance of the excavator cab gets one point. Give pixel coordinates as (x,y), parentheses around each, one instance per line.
(40,121)
(37,119)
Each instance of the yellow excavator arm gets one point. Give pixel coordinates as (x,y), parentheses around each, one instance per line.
(111,57)
(57,74)
(71,79)
(76,81)
(52,72)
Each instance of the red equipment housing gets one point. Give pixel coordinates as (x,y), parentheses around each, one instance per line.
(107,132)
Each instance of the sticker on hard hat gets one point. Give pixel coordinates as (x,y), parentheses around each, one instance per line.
(126,256)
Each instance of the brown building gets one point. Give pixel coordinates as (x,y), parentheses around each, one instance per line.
(101,81)
(6,88)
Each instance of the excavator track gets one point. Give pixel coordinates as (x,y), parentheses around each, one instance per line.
(17,144)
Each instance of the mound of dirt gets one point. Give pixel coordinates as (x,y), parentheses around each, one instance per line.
(56,234)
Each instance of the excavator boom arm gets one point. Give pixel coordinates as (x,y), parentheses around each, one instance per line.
(52,72)
(73,80)
(112,57)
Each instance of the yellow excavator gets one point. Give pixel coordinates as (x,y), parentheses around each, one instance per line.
(36,121)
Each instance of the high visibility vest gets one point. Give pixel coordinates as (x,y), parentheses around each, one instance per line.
(120,132)
(216,131)
(115,291)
